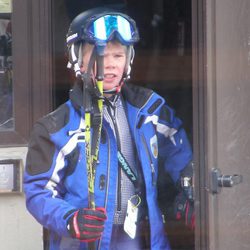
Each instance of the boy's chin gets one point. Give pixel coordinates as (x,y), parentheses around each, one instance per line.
(109,87)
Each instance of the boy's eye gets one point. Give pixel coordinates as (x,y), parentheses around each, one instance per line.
(119,55)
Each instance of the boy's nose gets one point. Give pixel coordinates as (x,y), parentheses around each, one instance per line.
(108,62)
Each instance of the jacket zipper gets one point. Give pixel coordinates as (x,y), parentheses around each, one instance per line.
(139,112)
(145,144)
(150,160)
(107,183)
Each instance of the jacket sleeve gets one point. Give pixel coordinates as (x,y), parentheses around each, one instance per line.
(43,191)
(174,148)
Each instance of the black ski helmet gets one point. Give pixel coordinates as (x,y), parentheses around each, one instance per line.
(115,25)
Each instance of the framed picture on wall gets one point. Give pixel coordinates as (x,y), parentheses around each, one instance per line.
(5,6)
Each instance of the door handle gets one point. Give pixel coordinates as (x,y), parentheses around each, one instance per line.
(219,180)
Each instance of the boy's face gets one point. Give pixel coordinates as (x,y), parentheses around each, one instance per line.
(114,63)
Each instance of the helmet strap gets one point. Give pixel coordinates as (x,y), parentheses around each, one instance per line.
(73,61)
(130,58)
(116,89)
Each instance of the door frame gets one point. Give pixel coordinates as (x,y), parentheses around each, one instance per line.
(199,73)
(37,78)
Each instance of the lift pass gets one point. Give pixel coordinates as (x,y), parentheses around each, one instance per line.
(131,219)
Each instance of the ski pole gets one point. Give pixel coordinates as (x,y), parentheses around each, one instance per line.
(92,151)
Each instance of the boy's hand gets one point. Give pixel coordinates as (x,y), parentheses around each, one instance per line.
(87,224)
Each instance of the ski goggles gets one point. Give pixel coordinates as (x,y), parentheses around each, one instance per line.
(105,28)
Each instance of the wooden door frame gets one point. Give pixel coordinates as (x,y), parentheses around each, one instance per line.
(199,74)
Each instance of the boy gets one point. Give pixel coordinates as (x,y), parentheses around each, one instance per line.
(138,130)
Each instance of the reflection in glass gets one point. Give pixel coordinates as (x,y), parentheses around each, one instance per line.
(6,90)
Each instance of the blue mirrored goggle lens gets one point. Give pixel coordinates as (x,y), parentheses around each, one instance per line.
(104,27)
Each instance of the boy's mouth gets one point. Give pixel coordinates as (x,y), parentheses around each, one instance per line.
(109,76)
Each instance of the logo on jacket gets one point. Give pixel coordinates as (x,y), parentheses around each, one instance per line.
(154,146)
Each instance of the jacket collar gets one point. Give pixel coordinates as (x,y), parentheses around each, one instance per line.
(135,95)
(76,95)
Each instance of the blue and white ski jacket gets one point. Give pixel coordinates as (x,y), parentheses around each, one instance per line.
(55,179)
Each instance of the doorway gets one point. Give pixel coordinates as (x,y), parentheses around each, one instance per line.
(163,62)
